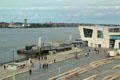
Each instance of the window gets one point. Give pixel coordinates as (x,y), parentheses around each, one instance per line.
(114,29)
(88,32)
(112,43)
(99,34)
(99,45)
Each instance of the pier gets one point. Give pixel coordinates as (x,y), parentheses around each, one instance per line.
(35,50)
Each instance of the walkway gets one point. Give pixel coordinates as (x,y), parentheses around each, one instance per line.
(59,57)
(61,67)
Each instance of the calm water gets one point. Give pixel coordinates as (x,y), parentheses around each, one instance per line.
(13,39)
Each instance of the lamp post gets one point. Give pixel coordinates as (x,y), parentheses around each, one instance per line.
(40,44)
(70,39)
(76,54)
(58,73)
(13,56)
(13,77)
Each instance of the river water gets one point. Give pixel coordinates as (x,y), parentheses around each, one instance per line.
(13,39)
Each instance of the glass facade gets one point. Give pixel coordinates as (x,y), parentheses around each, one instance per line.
(112,43)
(112,40)
(100,34)
(87,32)
(115,37)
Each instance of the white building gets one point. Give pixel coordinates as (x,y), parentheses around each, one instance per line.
(101,36)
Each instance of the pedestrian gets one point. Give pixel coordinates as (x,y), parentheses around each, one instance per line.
(39,58)
(54,60)
(85,54)
(43,66)
(31,63)
(88,54)
(4,67)
(30,71)
(95,49)
(89,50)
(76,56)
(42,57)
(45,57)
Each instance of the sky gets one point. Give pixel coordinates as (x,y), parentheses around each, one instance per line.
(68,11)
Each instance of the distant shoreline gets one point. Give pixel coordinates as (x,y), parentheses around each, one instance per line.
(52,25)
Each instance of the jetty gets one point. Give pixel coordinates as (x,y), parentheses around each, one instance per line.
(53,47)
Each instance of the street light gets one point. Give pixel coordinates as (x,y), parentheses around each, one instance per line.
(76,54)
(39,44)
(13,78)
(13,56)
(59,73)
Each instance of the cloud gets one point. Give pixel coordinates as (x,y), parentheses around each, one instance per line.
(37,8)
(117,1)
(59,0)
(28,8)
(109,7)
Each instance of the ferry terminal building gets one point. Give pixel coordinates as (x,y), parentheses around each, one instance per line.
(101,36)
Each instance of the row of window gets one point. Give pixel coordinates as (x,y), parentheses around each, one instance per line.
(114,30)
(89,32)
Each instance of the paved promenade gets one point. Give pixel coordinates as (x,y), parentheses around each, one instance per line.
(101,72)
(50,59)
(62,66)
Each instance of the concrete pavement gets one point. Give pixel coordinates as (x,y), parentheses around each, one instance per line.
(59,57)
(61,67)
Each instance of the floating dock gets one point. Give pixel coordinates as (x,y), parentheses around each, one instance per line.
(44,49)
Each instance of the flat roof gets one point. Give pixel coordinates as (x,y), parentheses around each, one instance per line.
(103,26)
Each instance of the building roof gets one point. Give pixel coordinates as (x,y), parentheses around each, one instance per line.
(103,26)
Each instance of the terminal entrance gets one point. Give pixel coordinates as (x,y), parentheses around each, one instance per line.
(112,40)
(112,43)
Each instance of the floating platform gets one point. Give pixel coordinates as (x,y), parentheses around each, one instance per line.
(23,51)
(56,46)
(43,50)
